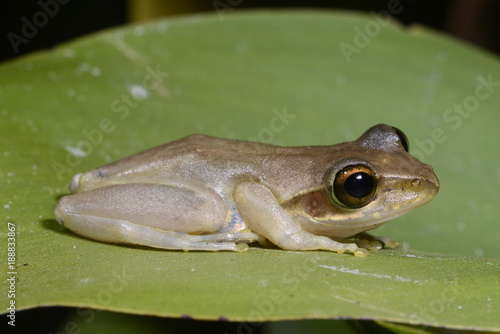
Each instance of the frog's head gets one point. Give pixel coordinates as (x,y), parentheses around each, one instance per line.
(378,180)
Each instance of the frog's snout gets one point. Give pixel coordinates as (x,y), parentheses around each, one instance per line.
(433,180)
(74,184)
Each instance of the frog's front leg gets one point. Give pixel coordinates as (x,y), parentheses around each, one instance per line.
(261,211)
(154,215)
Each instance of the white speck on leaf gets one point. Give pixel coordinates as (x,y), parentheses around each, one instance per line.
(86,280)
(357,272)
(139,31)
(162,27)
(76,151)
(53,75)
(82,68)
(69,53)
(138,92)
(95,71)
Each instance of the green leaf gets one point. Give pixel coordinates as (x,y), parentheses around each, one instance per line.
(103,97)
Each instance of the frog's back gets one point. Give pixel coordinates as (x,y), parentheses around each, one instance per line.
(185,152)
(218,163)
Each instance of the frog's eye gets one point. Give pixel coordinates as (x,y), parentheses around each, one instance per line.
(354,186)
(402,138)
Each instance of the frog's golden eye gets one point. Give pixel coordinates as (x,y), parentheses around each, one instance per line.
(354,186)
(402,138)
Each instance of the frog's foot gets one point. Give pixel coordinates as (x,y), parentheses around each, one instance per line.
(237,237)
(372,245)
(231,241)
(367,240)
(357,251)
(388,243)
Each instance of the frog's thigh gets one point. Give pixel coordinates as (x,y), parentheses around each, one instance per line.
(165,207)
(153,215)
(260,209)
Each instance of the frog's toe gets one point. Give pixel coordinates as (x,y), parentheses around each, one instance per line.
(375,243)
(375,246)
(241,248)
(354,249)
(372,245)
(361,252)
(394,244)
(220,246)
(74,185)
(388,243)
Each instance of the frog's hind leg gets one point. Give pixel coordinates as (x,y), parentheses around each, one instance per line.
(153,215)
(120,231)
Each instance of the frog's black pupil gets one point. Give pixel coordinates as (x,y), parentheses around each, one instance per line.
(359,185)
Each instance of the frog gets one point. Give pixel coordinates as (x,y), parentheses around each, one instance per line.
(203,193)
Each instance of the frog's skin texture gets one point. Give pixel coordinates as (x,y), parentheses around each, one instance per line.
(210,194)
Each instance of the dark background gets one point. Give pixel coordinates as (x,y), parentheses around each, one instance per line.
(473,20)
(476,21)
